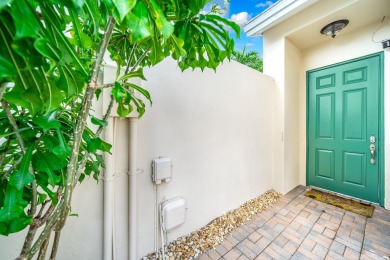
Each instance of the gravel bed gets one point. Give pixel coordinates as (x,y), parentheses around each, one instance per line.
(211,235)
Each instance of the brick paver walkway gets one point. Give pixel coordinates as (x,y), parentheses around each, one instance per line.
(297,227)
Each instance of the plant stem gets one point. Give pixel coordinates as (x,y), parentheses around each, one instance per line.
(5,150)
(50,218)
(16,164)
(98,132)
(43,249)
(55,245)
(140,59)
(131,57)
(109,85)
(15,127)
(31,233)
(34,194)
(2,89)
(83,115)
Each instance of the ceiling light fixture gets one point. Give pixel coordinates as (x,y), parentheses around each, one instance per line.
(334,28)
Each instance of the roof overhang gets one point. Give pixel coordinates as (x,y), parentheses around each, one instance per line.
(277,13)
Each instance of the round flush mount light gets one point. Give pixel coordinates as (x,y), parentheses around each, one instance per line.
(334,28)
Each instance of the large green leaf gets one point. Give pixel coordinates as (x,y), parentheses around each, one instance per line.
(213,18)
(12,215)
(20,223)
(7,69)
(48,163)
(118,92)
(47,121)
(53,96)
(94,144)
(70,81)
(61,149)
(124,7)
(78,4)
(13,205)
(123,110)
(44,47)
(24,19)
(4,3)
(140,106)
(141,90)
(23,176)
(164,26)
(138,23)
(135,74)
(99,122)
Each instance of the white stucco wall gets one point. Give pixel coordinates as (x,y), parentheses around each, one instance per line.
(218,130)
(273,56)
(292,100)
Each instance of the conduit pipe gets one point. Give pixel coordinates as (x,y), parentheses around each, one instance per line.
(108,193)
(133,189)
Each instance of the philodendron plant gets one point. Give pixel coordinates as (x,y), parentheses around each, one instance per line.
(51,52)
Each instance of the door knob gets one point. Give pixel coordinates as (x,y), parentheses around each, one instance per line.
(372,149)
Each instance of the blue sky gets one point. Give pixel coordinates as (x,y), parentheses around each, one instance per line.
(241,11)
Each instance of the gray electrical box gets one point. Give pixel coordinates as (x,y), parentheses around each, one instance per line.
(162,170)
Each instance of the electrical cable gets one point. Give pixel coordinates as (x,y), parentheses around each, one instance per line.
(375,31)
(162,234)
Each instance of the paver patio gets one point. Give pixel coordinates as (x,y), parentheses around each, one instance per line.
(298,227)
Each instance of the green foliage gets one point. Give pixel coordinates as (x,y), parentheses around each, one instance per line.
(50,55)
(250,59)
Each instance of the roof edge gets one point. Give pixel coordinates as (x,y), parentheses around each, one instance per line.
(274,15)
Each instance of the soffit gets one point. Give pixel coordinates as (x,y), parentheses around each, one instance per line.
(359,13)
(302,25)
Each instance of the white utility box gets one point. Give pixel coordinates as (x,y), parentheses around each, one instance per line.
(162,170)
(173,213)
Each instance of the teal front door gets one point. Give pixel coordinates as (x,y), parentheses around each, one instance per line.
(344,129)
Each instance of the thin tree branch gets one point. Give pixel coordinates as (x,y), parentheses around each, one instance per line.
(131,57)
(2,89)
(55,245)
(34,193)
(140,60)
(10,170)
(39,215)
(98,132)
(31,233)
(3,155)
(43,249)
(83,115)
(110,85)
(35,224)
(45,232)
(15,127)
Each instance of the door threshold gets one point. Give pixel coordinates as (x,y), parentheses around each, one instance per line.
(365,202)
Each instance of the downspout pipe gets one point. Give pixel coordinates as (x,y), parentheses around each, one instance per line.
(108,199)
(133,121)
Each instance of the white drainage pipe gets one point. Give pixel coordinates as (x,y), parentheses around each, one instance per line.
(133,189)
(108,199)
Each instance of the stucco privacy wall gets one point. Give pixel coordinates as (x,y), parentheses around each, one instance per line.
(218,130)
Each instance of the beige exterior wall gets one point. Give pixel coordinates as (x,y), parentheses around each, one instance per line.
(293,68)
(274,58)
(218,130)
